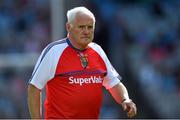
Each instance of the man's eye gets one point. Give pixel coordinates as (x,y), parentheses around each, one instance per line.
(81,26)
(90,27)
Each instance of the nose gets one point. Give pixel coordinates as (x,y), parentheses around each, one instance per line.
(86,31)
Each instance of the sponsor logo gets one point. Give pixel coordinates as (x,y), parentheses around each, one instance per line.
(81,81)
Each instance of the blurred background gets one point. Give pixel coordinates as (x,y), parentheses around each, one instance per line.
(141,39)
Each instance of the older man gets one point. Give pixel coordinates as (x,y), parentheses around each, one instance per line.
(73,70)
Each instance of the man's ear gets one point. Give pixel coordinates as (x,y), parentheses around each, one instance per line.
(68,26)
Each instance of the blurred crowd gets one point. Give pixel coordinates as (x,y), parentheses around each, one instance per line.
(24,29)
(140,37)
(24,25)
(143,39)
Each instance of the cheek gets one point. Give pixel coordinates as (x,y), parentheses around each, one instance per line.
(92,33)
(76,33)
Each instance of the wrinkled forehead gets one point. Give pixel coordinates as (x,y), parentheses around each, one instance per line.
(83,16)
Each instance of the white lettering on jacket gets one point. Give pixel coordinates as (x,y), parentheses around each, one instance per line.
(81,81)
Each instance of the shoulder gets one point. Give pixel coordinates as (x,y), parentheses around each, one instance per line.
(54,48)
(98,49)
(94,45)
(59,44)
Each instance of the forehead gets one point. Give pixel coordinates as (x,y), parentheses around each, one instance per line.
(82,18)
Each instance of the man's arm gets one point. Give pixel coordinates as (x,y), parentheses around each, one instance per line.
(120,94)
(34,102)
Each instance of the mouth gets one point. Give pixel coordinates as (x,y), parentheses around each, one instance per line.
(85,37)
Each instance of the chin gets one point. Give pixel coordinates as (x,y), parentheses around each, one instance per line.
(86,41)
(85,44)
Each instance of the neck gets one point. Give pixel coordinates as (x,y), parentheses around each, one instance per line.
(76,46)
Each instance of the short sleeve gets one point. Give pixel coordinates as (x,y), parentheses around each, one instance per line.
(43,70)
(45,67)
(112,77)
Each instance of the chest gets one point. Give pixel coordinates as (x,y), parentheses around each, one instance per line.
(75,63)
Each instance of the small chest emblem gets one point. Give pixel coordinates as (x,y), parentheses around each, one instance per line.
(83,59)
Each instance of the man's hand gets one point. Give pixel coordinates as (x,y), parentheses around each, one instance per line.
(130,107)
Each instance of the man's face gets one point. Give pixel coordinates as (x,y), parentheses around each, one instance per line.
(81,31)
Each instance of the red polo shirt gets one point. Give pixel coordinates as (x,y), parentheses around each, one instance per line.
(73,79)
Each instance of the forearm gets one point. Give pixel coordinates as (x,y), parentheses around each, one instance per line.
(34,102)
(119,93)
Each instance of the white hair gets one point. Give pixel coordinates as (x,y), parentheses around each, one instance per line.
(71,14)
